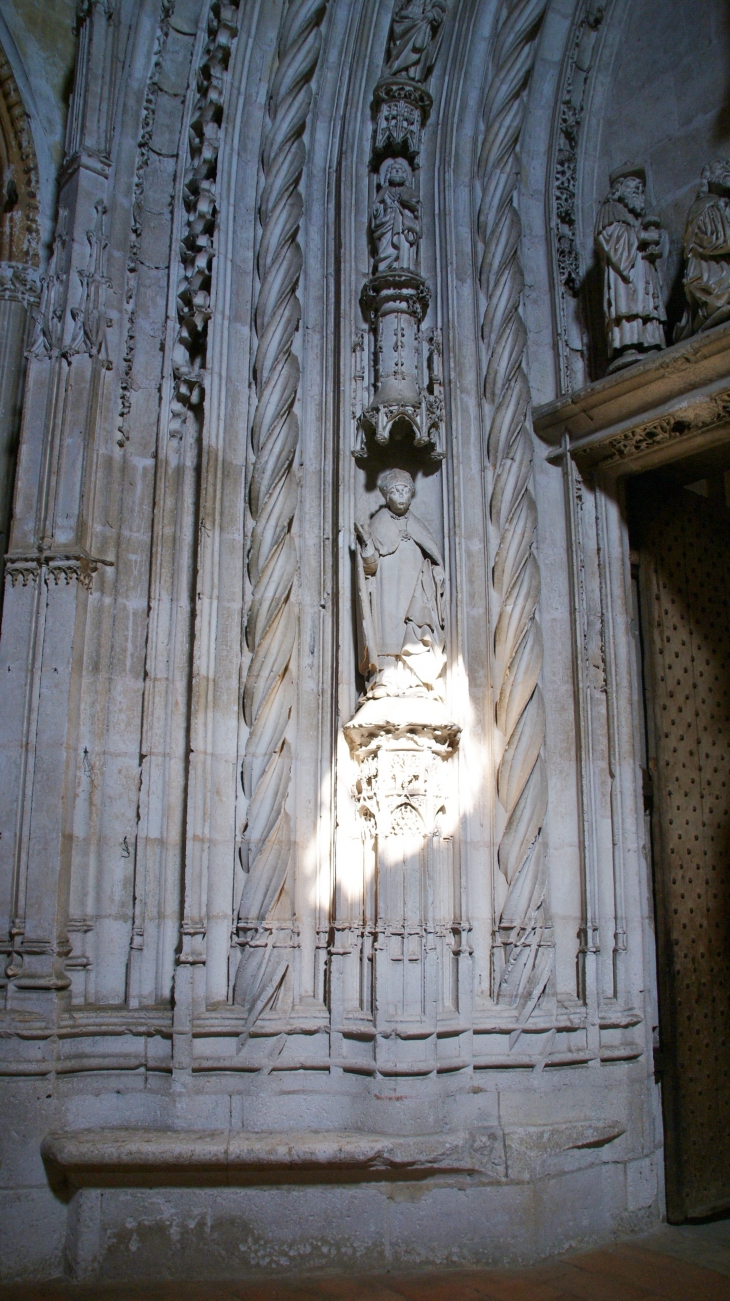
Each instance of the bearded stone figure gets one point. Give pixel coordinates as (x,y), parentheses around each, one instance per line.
(395,219)
(414,38)
(400,579)
(707,252)
(629,244)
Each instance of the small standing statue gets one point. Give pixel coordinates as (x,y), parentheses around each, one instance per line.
(400,580)
(415,35)
(707,252)
(629,245)
(395,219)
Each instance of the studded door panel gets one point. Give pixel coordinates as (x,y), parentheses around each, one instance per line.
(685,581)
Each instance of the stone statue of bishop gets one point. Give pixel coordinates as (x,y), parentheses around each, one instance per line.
(400,580)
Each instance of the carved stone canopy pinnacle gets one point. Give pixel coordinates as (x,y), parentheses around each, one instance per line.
(401,111)
(424,418)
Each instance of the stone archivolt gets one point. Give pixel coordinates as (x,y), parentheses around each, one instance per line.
(243,589)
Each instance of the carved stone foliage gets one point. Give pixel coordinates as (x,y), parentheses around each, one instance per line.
(566,161)
(19,209)
(49,318)
(197,244)
(89,316)
(629,243)
(523,955)
(89,322)
(149,109)
(271,627)
(572,289)
(702,416)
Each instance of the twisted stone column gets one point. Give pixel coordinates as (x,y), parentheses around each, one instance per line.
(272,618)
(526,959)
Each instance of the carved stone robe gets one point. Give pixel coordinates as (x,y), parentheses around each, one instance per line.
(401,607)
(396,228)
(632,297)
(415,36)
(707,250)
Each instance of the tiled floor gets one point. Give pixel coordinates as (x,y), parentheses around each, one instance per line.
(691,1263)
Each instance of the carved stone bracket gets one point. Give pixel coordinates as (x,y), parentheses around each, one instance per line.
(663,408)
(401,109)
(400,746)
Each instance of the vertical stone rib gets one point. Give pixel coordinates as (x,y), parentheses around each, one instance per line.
(272,620)
(520,713)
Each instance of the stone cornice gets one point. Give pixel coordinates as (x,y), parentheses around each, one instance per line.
(670,405)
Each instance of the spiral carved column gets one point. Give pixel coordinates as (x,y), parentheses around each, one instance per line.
(272,618)
(523,938)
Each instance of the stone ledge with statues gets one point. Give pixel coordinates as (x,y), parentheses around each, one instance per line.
(633,420)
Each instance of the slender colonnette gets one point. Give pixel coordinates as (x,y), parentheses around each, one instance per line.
(272,617)
(523,948)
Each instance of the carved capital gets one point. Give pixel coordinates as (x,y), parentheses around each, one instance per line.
(395,291)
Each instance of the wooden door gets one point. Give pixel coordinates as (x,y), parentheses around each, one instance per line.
(683,541)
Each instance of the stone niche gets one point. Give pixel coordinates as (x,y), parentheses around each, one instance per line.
(326,915)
